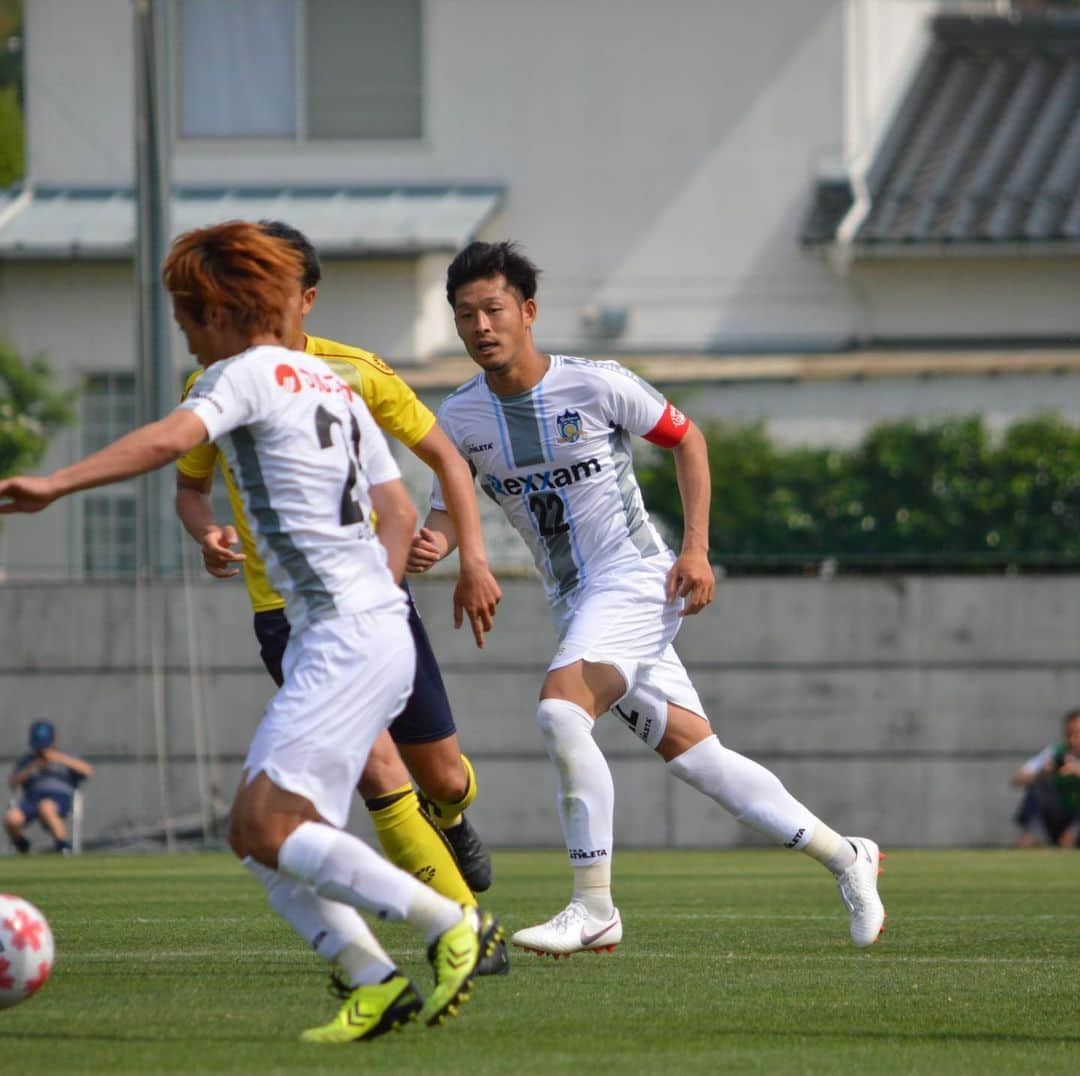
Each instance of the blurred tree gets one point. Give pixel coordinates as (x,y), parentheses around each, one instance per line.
(32,409)
(12,159)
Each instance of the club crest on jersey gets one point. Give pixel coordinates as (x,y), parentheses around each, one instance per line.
(568,423)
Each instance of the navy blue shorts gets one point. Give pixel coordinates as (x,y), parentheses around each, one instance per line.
(427,716)
(29,804)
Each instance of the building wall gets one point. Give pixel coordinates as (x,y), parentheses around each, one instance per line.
(656,163)
(896,707)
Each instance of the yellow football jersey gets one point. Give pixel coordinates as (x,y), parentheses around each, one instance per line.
(393,404)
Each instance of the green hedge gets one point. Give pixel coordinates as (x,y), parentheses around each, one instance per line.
(918,494)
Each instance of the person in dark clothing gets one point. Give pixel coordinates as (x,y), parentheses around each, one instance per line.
(45,781)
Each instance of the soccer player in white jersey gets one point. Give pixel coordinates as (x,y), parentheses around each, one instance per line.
(311,466)
(548,437)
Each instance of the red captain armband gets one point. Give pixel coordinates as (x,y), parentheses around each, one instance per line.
(671,428)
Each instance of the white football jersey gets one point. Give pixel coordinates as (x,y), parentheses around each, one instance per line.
(303,451)
(557,460)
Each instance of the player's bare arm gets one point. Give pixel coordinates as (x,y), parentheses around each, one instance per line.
(477,592)
(397,521)
(216,540)
(432,542)
(145,449)
(51,754)
(691,576)
(28,771)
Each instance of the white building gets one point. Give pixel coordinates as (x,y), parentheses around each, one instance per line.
(702,183)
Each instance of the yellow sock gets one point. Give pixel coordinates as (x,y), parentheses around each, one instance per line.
(411,842)
(446,815)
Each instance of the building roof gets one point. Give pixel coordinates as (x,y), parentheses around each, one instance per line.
(448,371)
(342,221)
(984,149)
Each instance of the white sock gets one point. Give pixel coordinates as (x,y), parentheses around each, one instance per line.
(828,847)
(586,793)
(342,867)
(335,931)
(751,793)
(592,886)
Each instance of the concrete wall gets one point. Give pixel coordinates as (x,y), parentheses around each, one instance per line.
(896,706)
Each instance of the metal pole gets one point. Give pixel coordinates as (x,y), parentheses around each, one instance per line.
(156,382)
(158,546)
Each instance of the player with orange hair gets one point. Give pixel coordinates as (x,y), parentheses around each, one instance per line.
(234,269)
(312,467)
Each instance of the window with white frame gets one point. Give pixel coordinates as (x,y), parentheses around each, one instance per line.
(108,513)
(299,69)
(109,520)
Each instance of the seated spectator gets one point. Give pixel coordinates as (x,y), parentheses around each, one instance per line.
(1050,810)
(45,780)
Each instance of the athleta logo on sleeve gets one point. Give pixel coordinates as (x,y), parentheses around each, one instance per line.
(292,380)
(671,428)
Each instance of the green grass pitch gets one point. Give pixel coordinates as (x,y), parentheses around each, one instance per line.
(733,961)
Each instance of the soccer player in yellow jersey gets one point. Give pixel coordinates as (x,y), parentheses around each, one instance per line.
(424,733)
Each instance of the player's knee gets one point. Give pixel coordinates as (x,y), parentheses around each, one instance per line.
(447,785)
(558,717)
(14,818)
(247,837)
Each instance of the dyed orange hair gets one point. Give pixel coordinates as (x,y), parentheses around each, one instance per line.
(237,267)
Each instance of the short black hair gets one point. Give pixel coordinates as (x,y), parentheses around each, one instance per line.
(278,229)
(482,261)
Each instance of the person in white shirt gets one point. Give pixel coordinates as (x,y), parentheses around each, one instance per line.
(548,437)
(311,466)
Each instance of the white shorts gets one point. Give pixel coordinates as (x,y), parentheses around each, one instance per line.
(346,679)
(624,619)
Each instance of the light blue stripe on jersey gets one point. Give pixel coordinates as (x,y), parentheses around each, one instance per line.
(545,421)
(307,584)
(637,530)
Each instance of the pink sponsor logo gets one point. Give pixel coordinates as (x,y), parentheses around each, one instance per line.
(293,380)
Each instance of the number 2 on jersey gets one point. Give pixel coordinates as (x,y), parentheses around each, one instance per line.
(351,512)
(550,514)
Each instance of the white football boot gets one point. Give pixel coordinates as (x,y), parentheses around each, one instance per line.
(573,930)
(858,890)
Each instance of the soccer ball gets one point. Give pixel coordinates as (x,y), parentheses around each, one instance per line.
(26,950)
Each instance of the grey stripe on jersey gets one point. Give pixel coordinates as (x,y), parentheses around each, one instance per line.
(522,428)
(204,384)
(309,586)
(617,368)
(550,511)
(639,533)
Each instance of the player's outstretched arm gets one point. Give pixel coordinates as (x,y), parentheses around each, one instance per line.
(145,449)
(195,512)
(477,592)
(691,576)
(397,521)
